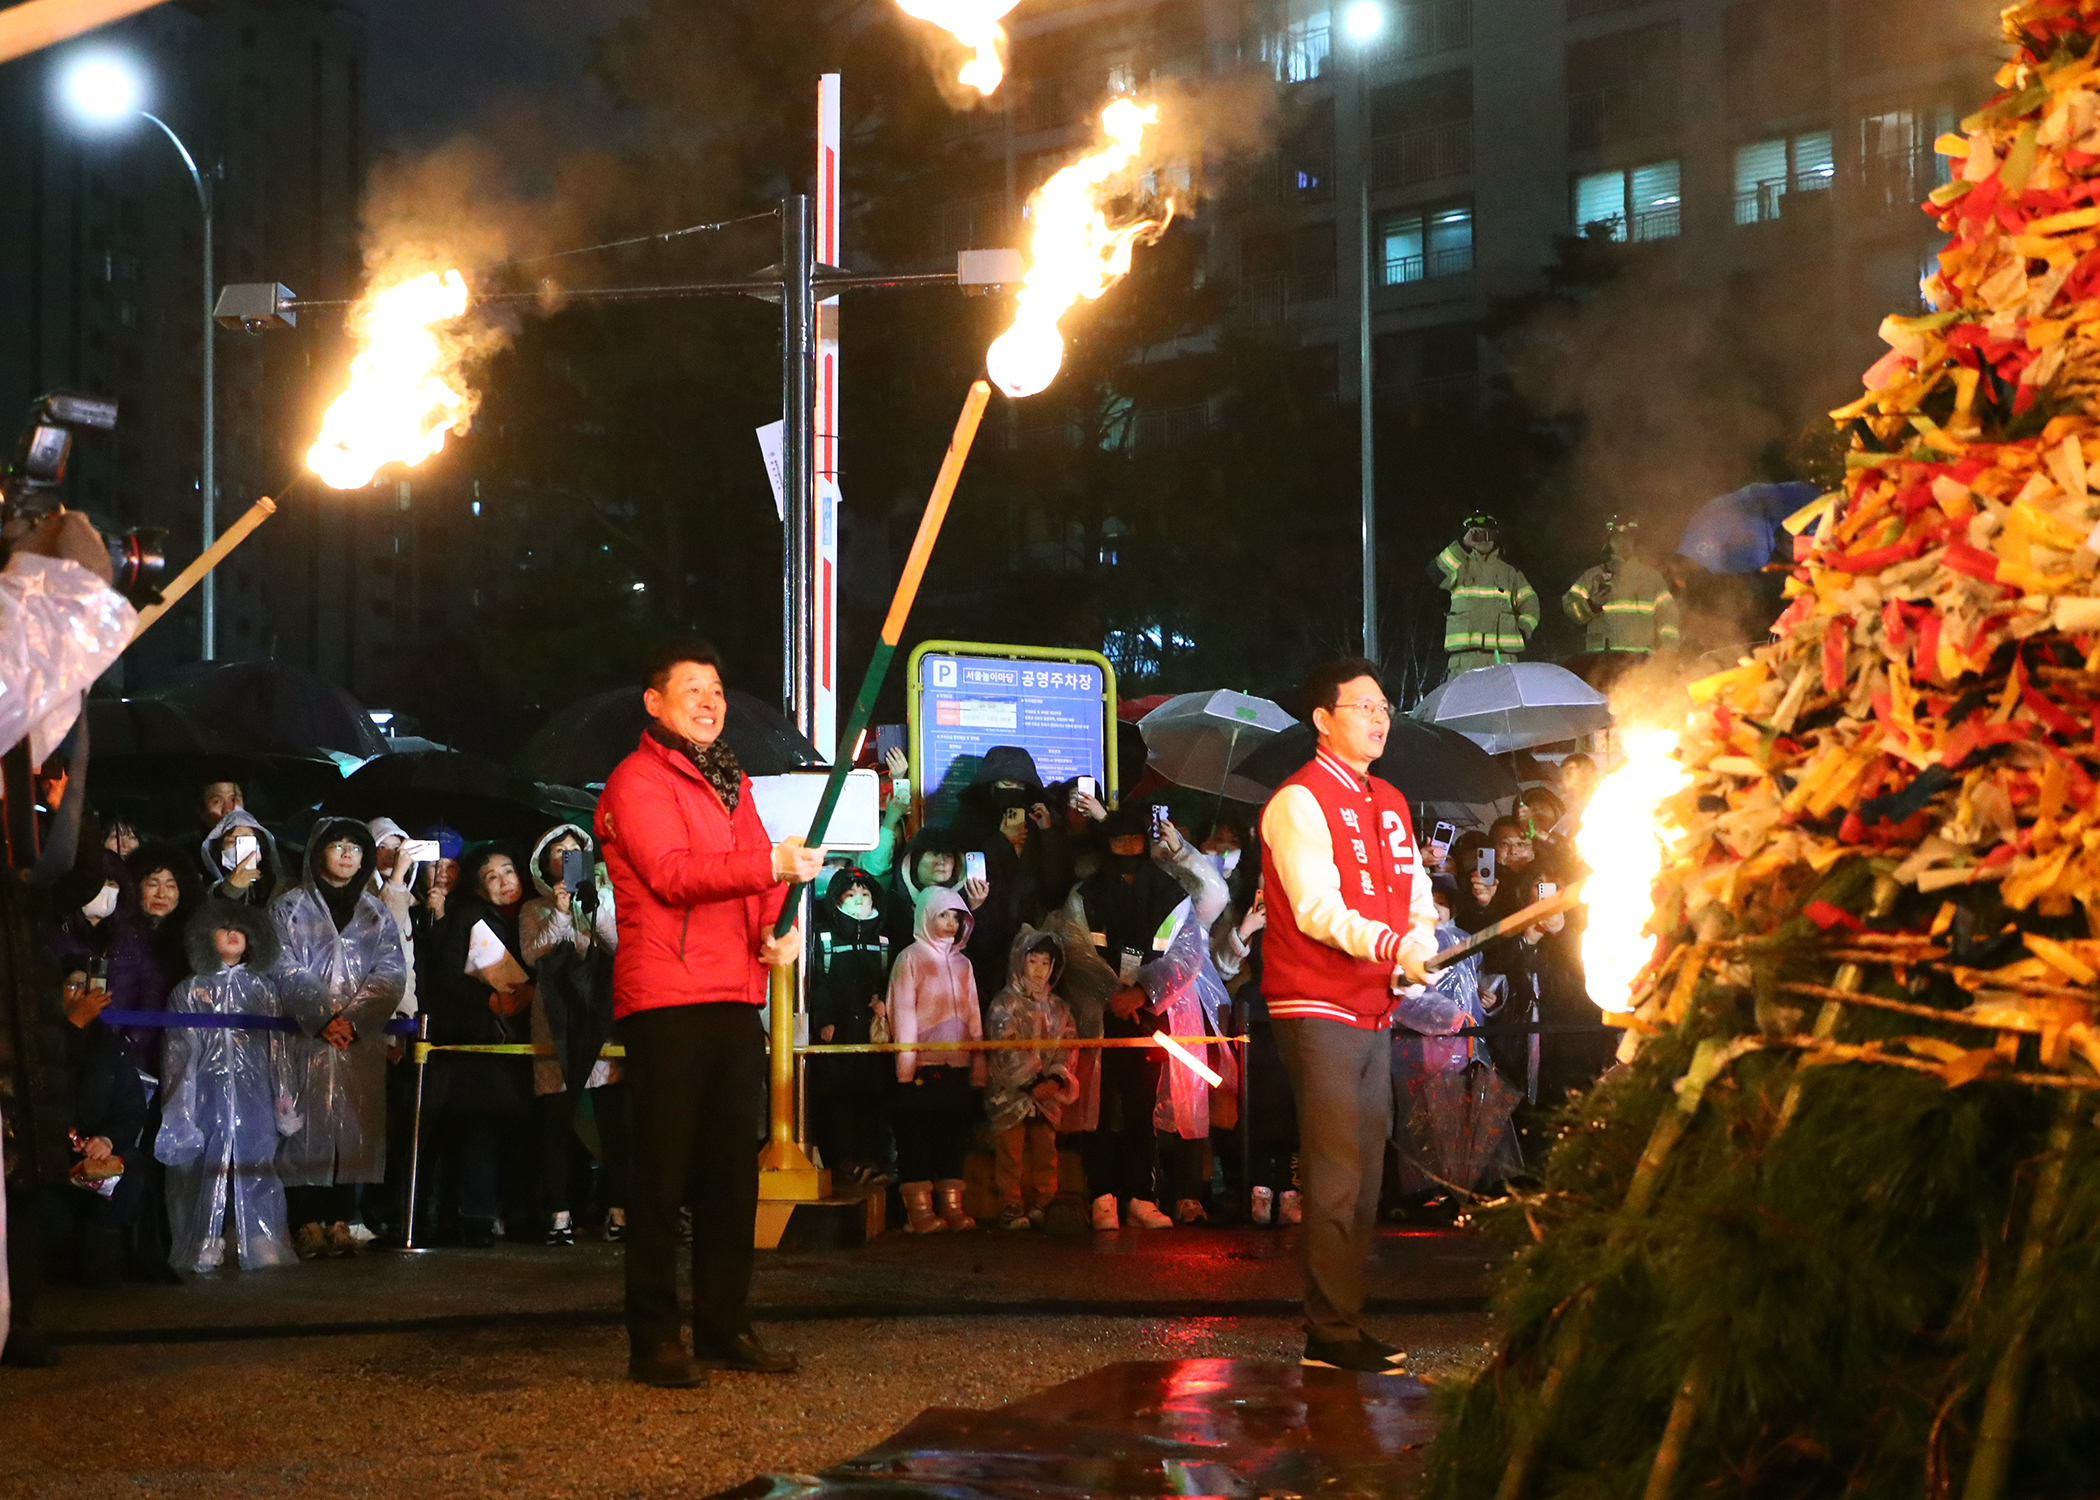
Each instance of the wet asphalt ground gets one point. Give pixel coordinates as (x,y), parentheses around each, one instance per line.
(502,1372)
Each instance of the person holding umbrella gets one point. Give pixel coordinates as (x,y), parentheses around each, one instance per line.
(1352,921)
(698,887)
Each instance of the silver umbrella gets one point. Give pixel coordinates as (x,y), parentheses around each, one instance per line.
(1198,740)
(1516,705)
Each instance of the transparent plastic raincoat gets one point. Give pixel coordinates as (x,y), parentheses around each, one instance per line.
(1186,991)
(60,628)
(324,972)
(228,1097)
(1016,1012)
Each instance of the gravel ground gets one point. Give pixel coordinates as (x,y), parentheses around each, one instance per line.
(518,1411)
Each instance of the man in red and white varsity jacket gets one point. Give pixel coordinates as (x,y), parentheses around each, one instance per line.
(1351,920)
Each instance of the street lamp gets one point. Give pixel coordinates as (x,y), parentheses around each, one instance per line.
(1364,22)
(103,90)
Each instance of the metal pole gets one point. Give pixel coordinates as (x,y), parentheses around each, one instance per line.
(207,481)
(1366,465)
(415,1135)
(1246,1031)
(798,373)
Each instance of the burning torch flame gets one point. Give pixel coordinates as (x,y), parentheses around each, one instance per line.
(400,403)
(1622,841)
(1073,254)
(974,23)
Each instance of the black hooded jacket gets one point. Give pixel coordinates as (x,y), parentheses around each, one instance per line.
(850,967)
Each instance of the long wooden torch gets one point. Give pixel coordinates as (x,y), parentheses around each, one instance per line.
(189,577)
(782,1154)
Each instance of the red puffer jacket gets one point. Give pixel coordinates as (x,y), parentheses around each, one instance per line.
(693,885)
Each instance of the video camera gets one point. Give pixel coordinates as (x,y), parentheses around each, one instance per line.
(29,489)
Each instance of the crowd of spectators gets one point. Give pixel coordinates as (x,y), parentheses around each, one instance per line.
(241,1016)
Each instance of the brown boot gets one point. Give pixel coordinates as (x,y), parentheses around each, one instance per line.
(950,1195)
(919,1217)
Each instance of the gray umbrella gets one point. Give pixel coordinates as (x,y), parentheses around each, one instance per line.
(1516,706)
(1198,740)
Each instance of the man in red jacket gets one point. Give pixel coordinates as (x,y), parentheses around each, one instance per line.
(1351,921)
(697,887)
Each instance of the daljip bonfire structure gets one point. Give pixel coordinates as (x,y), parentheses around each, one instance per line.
(1836,1229)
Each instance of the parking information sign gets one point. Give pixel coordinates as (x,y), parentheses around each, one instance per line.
(966,698)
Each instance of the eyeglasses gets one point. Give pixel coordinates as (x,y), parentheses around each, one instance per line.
(1370,708)
(345,846)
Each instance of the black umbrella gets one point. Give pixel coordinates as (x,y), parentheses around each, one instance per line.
(471,793)
(268,706)
(1427,762)
(580,745)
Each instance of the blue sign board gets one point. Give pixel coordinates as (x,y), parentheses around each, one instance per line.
(1058,707)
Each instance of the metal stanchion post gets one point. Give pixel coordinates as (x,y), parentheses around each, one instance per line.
(1246,1125)
(415,1140)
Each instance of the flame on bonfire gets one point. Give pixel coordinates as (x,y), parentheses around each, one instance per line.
(1073,253)
(1624,842)
(405,393)
(974,23)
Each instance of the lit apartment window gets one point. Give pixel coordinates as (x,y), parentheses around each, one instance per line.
(1297,50)
(1639,203)
(1766,171)
(1425,242)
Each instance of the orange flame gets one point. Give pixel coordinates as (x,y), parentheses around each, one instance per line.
(404,393)
(1623,841)
(1073,254)
(974,23)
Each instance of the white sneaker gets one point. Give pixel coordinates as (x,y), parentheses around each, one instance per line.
(1105,1212)
(1264,1209)
(361,1234)
(1289,1209)
(1147,1215)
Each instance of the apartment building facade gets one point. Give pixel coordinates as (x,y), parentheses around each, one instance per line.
(1759,149)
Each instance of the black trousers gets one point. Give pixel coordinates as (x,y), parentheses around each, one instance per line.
(933,1116)
(696,1093)
(1120,1153)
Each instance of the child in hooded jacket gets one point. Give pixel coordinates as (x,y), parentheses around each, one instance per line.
(1028,1090)
(230,1095)
(933,998)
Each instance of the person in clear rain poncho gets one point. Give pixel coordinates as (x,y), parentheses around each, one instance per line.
(228,1098)
(1026,1091)
(1185,989)
(339,978)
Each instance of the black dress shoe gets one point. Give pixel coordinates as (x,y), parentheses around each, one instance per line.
(745,1352)
(667,1367)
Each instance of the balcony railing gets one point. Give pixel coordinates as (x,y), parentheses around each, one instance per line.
(1897,182)
(1767,202)
(1662,223)
(1428,26)
(1300,179)
(1402,269)
(1623,112)
(1169,426)
(1428,154)
(1278,296)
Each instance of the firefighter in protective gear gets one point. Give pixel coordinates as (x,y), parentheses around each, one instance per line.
(1624,602)
(1494,609)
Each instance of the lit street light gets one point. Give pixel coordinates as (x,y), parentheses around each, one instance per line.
(1365,22)
(103,90)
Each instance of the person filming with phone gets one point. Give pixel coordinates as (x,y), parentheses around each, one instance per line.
(1351,921)
(698,887)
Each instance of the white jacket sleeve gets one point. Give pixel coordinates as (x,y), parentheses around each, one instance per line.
(1296,833)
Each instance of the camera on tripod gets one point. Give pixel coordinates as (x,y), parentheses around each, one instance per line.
(29,489)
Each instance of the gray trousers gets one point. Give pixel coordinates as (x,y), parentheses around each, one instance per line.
(1342,1077)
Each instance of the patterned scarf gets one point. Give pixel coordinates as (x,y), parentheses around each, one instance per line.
(716,762)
